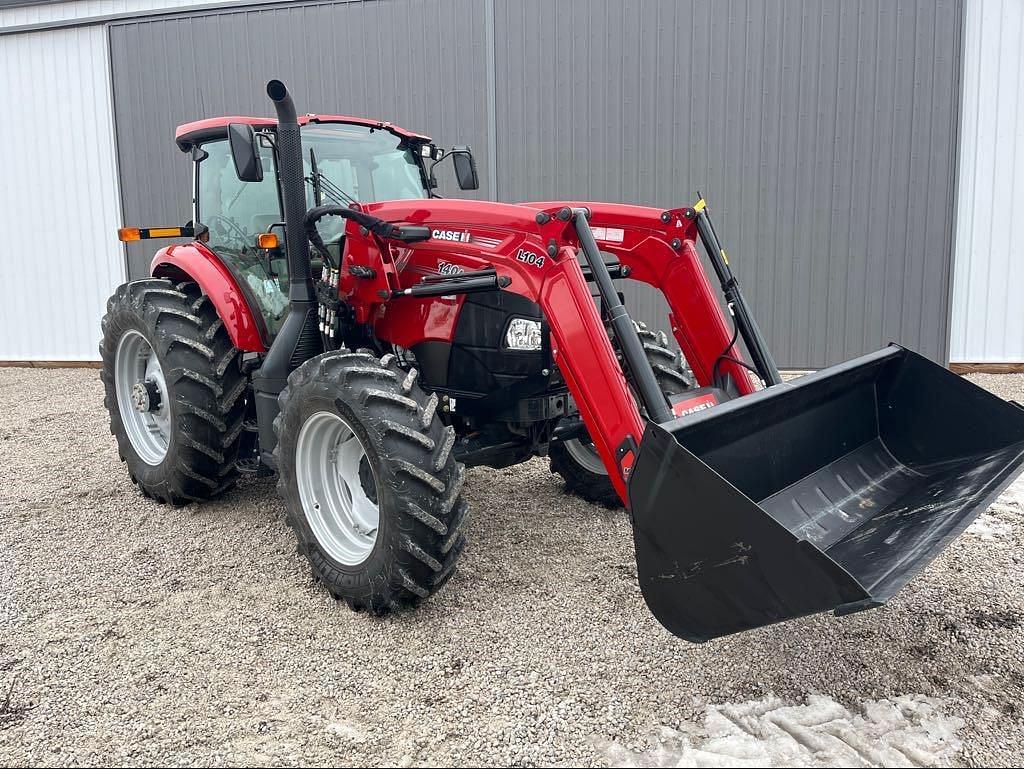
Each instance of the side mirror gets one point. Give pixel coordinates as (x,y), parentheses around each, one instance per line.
(465,168)
(245,152)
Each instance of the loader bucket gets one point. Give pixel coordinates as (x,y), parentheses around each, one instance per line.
(827,492)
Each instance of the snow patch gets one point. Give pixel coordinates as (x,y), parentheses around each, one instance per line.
(903,731)
(987,526)
(1014,495)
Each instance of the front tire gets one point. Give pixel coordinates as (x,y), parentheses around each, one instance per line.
(173,388)
(369,481)
(577,461)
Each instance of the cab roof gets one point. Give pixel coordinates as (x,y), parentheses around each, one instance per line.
(190,134)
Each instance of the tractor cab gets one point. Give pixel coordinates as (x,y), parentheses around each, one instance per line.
(345,160)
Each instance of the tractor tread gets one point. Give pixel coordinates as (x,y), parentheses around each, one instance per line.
(199,302)
(374,372)
(455,527)
(178,313)
(226,360)
(176,375)
(382,395)
(438,579)
(410,380)
(418,552)
(420,475)
(202,448)
(232,434)
(446,448)
(207,416)
(419,483)
(426,518)
(411,434)
(412,586)
(188,342)
(429,410)
(454,491)
(216,326)
(188,337)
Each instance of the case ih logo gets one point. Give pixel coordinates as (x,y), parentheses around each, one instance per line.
(456,235)
(693,405)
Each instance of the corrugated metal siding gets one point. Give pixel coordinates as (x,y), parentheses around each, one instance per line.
(80,9)
(393,59)
(822,134)
(59,254)
(988,315)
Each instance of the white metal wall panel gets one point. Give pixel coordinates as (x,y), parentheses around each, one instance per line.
(59,255)
(43,13)
(988,287)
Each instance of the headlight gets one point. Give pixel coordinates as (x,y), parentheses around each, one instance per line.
(523,334)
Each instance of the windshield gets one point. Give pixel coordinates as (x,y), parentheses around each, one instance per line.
(358,163)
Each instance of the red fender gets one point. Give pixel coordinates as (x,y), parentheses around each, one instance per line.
(196,262)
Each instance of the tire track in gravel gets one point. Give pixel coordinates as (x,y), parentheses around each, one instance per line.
(912,731)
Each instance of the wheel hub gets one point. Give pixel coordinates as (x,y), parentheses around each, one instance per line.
(337,487)
(142,397)
(146,396)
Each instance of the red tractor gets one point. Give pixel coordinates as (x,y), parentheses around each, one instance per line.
(337,322)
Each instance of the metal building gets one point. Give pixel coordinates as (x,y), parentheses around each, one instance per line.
(855,153)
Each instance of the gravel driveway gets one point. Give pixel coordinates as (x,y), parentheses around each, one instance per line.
(134,633)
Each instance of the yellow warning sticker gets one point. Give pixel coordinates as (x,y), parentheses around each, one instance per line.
(699,205)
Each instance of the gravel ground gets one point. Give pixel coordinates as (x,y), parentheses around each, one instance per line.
(134,633)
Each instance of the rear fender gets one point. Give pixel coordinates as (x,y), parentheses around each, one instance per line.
(197,263)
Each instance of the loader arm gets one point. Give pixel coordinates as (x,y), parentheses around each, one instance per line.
(538,255)
(658,247)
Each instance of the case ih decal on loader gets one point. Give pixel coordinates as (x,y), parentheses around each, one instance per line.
(336,322)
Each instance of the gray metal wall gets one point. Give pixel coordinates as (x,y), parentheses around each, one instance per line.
(390,59)
(822,133)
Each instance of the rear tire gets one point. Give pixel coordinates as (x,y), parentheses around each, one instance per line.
(169,338)
(403,466)
(577,460)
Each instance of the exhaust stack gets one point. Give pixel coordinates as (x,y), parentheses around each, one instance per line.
(299,337)
(293,192)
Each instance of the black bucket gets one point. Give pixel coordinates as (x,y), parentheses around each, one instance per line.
(828,492)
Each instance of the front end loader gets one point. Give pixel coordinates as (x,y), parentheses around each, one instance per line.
(394,337)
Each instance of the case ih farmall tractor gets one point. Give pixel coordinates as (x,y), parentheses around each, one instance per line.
(337,322)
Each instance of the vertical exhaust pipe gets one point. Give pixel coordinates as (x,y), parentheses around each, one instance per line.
(299,337)
(293,192)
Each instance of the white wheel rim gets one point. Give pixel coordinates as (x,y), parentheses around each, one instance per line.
(338,500)
(148,430)
(586,456)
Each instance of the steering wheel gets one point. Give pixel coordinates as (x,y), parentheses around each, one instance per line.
(229,226)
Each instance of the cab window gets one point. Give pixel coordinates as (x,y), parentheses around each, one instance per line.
(235,212)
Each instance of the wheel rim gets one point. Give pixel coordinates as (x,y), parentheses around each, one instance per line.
(142,397)
(585,455)
(337,487)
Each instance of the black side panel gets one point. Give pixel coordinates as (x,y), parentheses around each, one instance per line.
(432,358)
(479,362)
